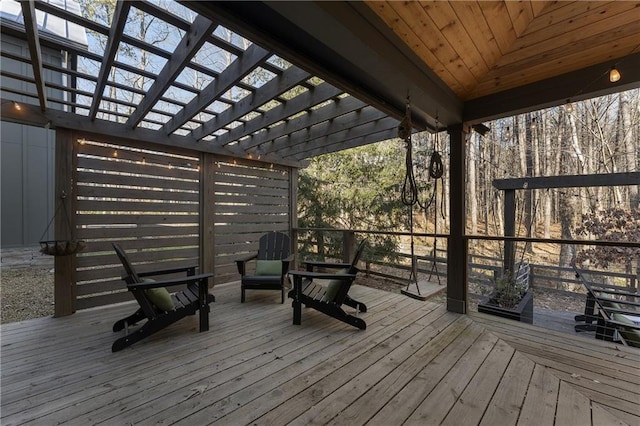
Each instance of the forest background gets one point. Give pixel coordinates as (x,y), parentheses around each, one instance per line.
(361,188)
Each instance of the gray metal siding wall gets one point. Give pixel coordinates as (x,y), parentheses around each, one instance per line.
(27,153)
(27,184)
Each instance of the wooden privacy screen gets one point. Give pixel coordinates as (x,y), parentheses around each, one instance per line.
(249,201)
(146,200)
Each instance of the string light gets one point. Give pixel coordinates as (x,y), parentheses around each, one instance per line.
(614,74)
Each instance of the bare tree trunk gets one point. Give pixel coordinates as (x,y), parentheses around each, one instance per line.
(630,149)
(472,181)
(530,130)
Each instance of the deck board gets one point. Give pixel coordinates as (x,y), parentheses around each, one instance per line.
(415,363)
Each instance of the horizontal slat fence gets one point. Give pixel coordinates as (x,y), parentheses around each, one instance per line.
(250,200)
(148,201)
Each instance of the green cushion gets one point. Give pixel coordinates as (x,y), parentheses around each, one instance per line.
(268,267)
(630,335)
(333,287)
(160,297)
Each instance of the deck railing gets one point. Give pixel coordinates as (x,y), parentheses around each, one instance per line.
(482,269)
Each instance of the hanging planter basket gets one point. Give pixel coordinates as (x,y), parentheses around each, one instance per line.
(61,247)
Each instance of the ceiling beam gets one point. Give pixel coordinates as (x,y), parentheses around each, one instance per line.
(184,51)
(228,78)
(575,86)
(31,29)
(113,42)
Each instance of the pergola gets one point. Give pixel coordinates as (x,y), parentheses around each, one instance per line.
(339,74)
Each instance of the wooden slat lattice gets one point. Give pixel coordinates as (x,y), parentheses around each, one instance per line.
(146,200)
(249,201)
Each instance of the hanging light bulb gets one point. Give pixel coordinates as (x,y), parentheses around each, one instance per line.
(115,153)
(507,134)
(568,106)
(614,74)
(533,123)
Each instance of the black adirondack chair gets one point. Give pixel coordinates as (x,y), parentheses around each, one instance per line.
(150,293)
(272,264)
(612,309)
(327,299)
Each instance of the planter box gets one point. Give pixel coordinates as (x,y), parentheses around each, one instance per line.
(523,312)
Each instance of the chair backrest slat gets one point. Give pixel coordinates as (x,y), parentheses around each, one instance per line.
(128,267)
(133,278)
(274,246)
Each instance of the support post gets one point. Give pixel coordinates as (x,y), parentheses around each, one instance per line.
(348,245)
(293,215)
(457,243)
(509,229)
(207,193)
(64,281)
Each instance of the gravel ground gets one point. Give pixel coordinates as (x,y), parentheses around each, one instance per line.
(27,292)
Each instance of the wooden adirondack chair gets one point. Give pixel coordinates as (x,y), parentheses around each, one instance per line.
(272,264)
(156,305)
(327,299)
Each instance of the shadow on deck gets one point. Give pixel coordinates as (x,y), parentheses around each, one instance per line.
(415,364)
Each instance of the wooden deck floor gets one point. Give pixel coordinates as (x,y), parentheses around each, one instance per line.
(415,364)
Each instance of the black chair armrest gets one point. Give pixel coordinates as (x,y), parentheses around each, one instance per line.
(311,264)
(190,270)
(170,282)
(241,263)
(322,275)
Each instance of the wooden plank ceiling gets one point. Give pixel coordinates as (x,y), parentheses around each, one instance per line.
(479,48)
(308,78)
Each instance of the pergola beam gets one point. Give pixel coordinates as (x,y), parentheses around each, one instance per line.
(374,133)
(340,124)
(291,77)
(185,50)
(343,139)
(113,42)
(230,77)
(31,29)
(29,114)
(569,181)
(337,108)
(318,94)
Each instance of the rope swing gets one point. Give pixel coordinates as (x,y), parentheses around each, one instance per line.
(410,195)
